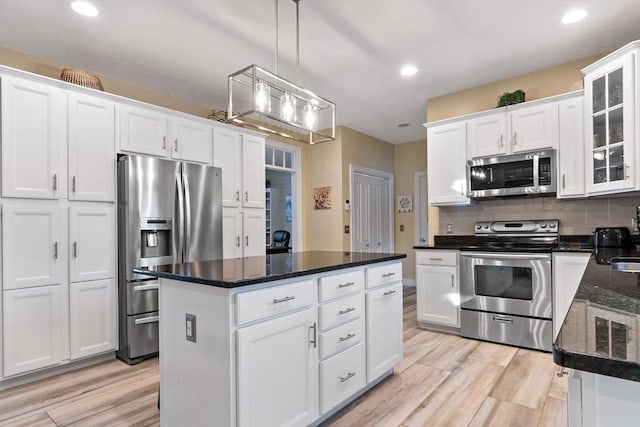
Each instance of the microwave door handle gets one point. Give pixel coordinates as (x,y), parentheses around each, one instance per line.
(536,173)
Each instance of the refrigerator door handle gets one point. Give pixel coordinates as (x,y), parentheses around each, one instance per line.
(187,215)
(179,227)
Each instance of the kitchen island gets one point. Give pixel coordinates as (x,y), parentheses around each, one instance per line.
(283,339)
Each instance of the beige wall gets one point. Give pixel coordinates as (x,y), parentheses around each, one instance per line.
(576,217)
(408,158)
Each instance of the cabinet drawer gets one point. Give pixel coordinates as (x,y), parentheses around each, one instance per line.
(383,274)
(263,303)
(338,285)
(341,376)
(430,257)
(340,312)
(340,338)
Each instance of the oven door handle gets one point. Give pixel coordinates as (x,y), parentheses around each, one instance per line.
(502,255)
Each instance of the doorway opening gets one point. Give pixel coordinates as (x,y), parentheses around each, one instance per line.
(282,195)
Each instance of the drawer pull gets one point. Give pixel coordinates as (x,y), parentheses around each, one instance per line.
(314,341)
(501,319)
(435,259)
(347,310)
(386,294)
(349,376)
(344,285)
(285,299)
(348,337)
(389,274)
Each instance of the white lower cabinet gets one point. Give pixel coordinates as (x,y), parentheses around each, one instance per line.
(341,377)
(92,313)
(34,324)
(437,287)
(568,269)
(384,329)
(278,372)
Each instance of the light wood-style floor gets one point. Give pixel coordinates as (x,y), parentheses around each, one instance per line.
(443,380)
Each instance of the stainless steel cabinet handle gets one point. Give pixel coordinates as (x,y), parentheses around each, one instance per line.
(386,294)
(55,182)
(347,310)
(314,341)
(238,241)
(237,195)
(164,142)
(147,287)
(434,259)
(515,138)
(563,181)
(349,375)
(246,196)
(55,250)
(461,189)
(626,170)
(389,274)
(74,249)
(348,337)
(279,300)
(150,319)
(246,240)
(452,281)
(344,285)
(73,184)
(175,145)
(502,319)
(501,140)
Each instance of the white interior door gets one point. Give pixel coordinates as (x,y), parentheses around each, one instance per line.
(420,209)
(371,219)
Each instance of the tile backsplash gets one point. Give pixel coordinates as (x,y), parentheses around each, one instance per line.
(577,216)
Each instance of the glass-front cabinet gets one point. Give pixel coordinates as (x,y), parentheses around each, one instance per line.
(610,129)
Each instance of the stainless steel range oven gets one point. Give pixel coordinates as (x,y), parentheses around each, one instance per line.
(505,283)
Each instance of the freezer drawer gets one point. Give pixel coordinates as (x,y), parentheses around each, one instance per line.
(142,297)
(142,331)
(507,329)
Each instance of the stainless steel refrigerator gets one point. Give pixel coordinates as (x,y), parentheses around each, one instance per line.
(168,212)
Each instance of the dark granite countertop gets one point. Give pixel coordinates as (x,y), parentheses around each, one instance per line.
(449,241)
(236,272)
(600,333)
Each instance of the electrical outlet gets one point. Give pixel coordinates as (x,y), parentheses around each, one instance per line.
(401,227)
(346,229)
(449,228)
(190,325)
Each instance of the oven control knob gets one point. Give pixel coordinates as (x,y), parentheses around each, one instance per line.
(543,225)
(552,225)
(486,227)
(478,227)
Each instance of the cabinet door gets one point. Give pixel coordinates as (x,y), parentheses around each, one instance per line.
(567,274)
(227,154)
(92,242)
(31,246)
(278,372)
(571,148)
(437,295)
(610,128)
(384,329)
(446,159)
(33,134)
(192,141)
(33,324)
(231,233)
(92,148)
(253,171)
(534,128)
(143,131)
(487,135)
(92,314)
(254,234)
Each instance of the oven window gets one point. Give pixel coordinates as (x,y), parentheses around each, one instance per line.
(504,282)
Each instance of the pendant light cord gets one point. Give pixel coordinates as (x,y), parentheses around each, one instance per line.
(297,2)
(275,2)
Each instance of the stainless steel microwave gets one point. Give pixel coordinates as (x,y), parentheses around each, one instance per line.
(528,173)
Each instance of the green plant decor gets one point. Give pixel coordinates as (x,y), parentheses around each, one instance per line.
(510,98)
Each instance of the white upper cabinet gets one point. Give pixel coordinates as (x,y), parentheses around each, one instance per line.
(91,148)
(253,230)
(92,242)
(514,129)
(143,131)
(610,103)
(241,157)
(33,135)
(31,246)
(571,148)
(231,233)
(191,141)
(446,164)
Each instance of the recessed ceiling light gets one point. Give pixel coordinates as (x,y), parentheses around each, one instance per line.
(573,16)
(408,70)
(84,8)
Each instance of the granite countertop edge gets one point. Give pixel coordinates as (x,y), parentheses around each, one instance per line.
(597,365)
(230,284)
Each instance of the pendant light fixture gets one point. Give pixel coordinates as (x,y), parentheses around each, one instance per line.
(262,100)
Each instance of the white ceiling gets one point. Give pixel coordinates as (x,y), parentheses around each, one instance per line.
(350,53)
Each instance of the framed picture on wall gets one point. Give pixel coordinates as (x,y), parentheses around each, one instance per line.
(322,198)
(405,203)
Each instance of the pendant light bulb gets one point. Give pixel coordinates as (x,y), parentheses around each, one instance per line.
(310,116)
(288,108)
(263,97)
